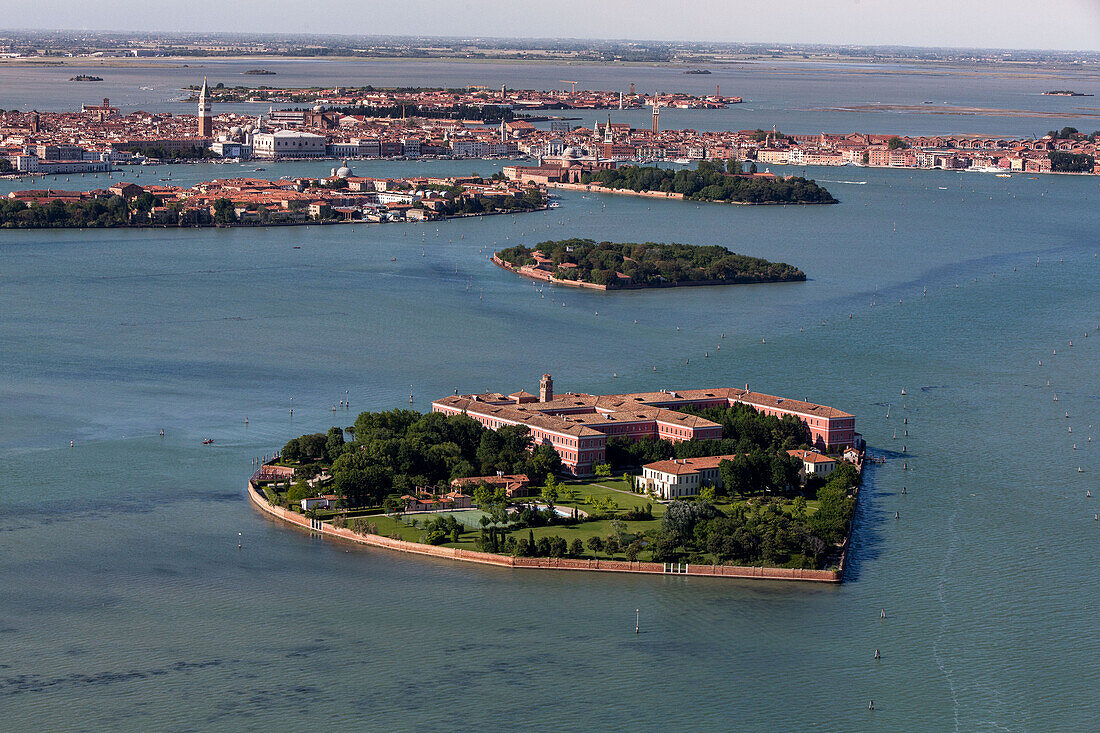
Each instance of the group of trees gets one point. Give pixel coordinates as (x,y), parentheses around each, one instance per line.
(711,182)
(763,531)
(398,451)
(108,211)
(1071,133)
(619,541)
(650,263)
(161,153)
(531,200)
(1062,162)
(113,211)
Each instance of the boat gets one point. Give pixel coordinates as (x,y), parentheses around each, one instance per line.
(207,441)
(553,205)
(1004,175)
(259,169)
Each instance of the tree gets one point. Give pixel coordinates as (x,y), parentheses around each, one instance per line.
(618,526)
(681,516)
(224,212)
(334,443)
(550,491)
(708,494)
(613,545)
(298,491)
(595,544)
(576,549)
(896,143)
(291,451)
(145,202)
(602,470)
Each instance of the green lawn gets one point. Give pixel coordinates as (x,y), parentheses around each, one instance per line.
(617,489)
(601,489)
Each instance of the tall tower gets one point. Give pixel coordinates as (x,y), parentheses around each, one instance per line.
(206,122)
(546,388)
(656,116)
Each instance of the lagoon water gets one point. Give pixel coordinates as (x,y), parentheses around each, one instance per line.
(796,96)
(126,604)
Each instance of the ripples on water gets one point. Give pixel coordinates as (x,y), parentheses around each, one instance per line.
(126,603)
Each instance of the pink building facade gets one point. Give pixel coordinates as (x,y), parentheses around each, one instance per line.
(577,425)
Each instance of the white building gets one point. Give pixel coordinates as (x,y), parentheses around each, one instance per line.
(287,144)
(679,477)
(328,501)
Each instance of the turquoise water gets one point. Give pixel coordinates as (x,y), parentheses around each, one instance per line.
(125,602)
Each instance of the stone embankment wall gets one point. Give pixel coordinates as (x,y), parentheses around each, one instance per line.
(542,275)
(547,563)
(596,188)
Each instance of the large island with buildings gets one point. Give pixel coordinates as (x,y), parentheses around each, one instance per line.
(341,197)
(718,482)
(100,136)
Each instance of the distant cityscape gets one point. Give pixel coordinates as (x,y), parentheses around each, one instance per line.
(100,136)
(77,44)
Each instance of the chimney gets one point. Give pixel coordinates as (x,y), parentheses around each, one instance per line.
(546,388)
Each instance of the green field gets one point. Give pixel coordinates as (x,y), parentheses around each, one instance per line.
(596,491)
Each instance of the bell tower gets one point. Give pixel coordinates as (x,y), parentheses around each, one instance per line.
(206,122)
(546,388)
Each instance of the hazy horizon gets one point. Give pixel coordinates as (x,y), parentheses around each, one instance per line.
(1062,25)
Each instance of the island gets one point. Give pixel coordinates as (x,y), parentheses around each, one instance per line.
(711,182)
(259,72)
(86,77)
(723,483)
(1065,93)
(622,266)
(342,198)
(697,71)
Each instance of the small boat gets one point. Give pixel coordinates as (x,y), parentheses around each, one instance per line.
(207,441)
(1004,175)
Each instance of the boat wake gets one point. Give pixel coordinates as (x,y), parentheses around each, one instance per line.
(850,183)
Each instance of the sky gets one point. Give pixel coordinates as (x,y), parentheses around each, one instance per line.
(1030,24)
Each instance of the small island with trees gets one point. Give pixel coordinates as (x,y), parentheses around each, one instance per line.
(445,485)
(713,182)
(619,266)
(1065,93)
(86,77)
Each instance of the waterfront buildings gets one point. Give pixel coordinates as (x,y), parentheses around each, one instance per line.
(101,132)
(342,196)
(577,425)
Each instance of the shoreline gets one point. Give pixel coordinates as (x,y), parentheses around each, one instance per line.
(597,188)
(530,275)
(545,563)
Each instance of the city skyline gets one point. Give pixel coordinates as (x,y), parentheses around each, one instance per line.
(1008,24)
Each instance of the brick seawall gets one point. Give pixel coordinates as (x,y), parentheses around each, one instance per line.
(545,563)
